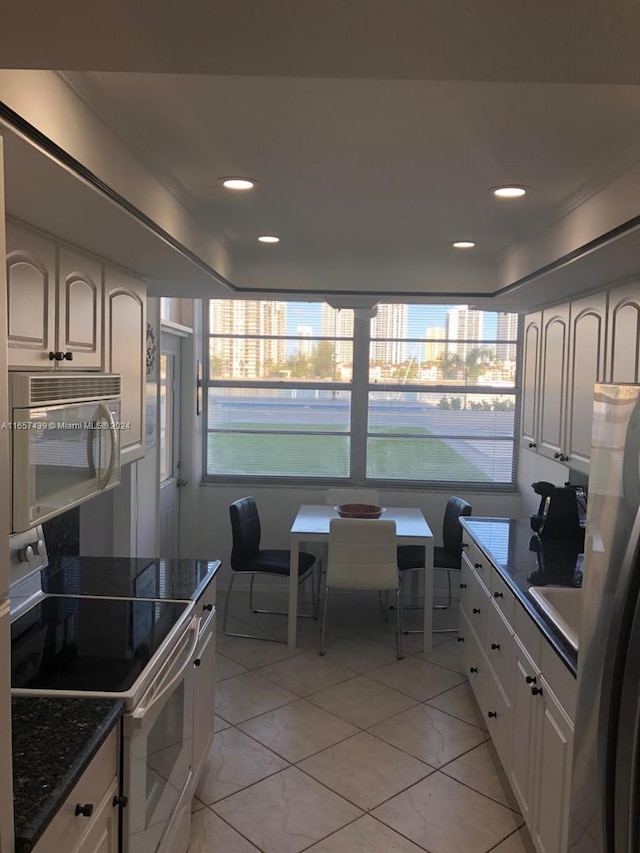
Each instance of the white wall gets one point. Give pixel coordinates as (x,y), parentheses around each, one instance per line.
(531,469)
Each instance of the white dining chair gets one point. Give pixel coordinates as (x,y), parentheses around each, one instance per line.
(335,497)
(362,555)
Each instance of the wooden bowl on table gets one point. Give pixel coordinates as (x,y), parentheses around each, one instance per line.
(359,510)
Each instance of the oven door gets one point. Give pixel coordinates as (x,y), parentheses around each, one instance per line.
(158,751)
(62,456)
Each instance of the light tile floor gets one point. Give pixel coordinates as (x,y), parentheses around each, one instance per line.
(355,752)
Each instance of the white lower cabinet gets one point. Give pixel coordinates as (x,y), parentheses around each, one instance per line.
(87,821)
(530,728)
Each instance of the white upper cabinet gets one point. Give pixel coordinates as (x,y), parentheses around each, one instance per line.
(124,353)
(79,310)
(586,367)
(31,297)
(623,355)
(54,303)
(553,380)
(530,379)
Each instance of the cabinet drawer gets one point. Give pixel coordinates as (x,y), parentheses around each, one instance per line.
(503,597)
(561,681)
(66,829)
(476,602)
(500,650)
(475,663)
(528,633)
(477,559)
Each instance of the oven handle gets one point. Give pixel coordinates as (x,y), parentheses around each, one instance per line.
(113,438)
(142,710)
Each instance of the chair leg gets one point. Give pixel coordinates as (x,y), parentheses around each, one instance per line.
(314,597)
(383,604)
(398,622)
(312,615)
(251,594)
(324,619)
(226,616)
(449,585)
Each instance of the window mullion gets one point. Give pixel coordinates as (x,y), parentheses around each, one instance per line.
(360,398)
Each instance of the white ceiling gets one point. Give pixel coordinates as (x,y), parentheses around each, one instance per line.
(375,137)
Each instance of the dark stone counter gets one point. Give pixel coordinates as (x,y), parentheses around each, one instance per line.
(523,559)
(54,740)
(124,577)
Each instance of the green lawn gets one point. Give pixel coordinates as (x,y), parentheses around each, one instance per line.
(422,458)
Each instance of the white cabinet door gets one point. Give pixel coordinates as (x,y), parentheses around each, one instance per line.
(31,294)
(586,366)
(102,837)
(79,310)
(524,734)
(531,345)
(124,353)
(553,381)
(553,775)
(623,354)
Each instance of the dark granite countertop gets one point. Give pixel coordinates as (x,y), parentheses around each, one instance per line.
(524,560)
(124,577)
(54,740)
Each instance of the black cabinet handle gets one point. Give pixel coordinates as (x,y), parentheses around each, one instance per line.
(120,801)
(498,595)
(536,691)
(197,662)
(460,639)
(477,565)
(530,679)
(492,715)
(532,444)
(56,356)
(86,809)
(67,355)
(207,607)
(465,545)
(476,610)
(473,669)
(463,586)
(495,646)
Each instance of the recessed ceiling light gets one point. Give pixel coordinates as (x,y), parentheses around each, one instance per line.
(269,238)
(509,192)
(238,183)
(463,244)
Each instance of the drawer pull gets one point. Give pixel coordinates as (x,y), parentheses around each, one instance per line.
(532,444)
(473,669)
(495,647)
(536,691)
(207,607)
(477,565)
(492,715)
(498,595)
(476,610)
(197,662)
(460,639)
(120,801)
(530,679)
(465,545)
(463,586)
(86,809)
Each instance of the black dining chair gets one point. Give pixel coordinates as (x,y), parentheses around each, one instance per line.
(249,559)
(446,557)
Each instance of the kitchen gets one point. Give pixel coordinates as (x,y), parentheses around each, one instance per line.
(61,114)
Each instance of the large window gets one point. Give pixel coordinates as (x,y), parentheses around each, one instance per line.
(299,391)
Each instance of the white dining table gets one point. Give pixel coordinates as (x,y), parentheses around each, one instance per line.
(311,524)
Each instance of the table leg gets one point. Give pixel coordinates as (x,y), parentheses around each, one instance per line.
(428,594)
(293,593)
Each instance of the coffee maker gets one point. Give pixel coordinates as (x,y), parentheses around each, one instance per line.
(562,512)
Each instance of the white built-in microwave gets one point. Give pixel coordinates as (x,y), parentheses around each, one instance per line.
(65,431)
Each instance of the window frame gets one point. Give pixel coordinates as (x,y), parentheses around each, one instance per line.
(358,434)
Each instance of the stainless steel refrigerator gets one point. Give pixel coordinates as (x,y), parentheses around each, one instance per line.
(605,796)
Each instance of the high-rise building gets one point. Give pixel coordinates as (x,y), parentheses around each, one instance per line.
(433,349)
(507,330)
(339,324)
(463,324)
(305,344)
(248,356)
(390,322)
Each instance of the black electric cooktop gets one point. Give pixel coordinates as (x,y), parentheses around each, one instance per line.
(88,644)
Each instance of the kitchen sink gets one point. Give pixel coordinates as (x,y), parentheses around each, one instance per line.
(563,606)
